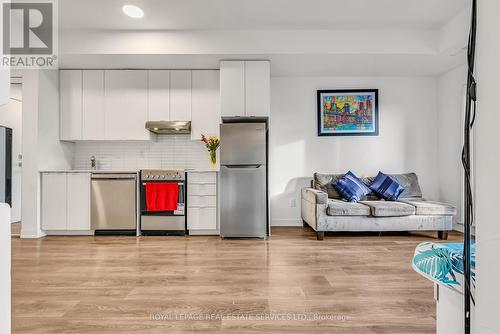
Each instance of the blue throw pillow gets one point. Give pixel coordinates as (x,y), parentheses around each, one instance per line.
(385,187)
(351,188)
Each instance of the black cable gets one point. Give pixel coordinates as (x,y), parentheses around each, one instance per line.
(470,117)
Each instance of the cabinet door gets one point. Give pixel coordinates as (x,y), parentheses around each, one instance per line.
(53,210)
(257,88)
(205,115)
(159,95)
(180,95)
(201,218)
(93,105)
(126,103)
(70,83)
(232,88)
(78,201)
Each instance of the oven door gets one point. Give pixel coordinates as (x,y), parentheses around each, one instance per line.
(181,202)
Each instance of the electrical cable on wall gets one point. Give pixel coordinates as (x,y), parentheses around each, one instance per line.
(470,116)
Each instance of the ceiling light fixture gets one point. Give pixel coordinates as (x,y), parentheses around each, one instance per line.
(133,11)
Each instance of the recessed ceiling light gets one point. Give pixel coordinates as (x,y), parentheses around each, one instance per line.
(133,11)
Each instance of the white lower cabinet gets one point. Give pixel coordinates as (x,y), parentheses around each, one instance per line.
(54,201)
(202,203)
(65,201)
(202,218)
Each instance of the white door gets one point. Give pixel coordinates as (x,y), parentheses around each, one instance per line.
(78,201)
(70,83)
(180,95)
(159,95)
(93,105)
(205,115)
(126,104)
(53,208)
(232,88)
(257,88)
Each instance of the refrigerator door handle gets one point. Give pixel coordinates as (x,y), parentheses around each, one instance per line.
(243,166)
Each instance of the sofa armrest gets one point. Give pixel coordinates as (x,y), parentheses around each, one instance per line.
(313,206)
(314,196)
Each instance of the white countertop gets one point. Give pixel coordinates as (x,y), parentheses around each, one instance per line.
(102,171)
(99,171)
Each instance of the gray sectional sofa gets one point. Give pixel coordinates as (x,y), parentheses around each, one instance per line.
(325,211)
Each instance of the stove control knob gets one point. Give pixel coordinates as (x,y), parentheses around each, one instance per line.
(147,176)
(163,176)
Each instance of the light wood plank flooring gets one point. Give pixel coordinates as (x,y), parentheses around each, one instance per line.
(361,283)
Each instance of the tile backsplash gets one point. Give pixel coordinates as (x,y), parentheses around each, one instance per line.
(165,151)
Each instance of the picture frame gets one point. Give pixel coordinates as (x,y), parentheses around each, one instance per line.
(348,112)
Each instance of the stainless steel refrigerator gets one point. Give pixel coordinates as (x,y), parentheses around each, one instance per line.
(243,179)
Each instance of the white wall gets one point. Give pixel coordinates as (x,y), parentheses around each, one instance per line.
(166,151)
(41,146)
(4,73)
(407,140)
(487,166)
(4,85)
(5,272)
(451,97)
(11,116)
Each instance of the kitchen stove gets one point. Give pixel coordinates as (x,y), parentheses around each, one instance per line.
(163,222)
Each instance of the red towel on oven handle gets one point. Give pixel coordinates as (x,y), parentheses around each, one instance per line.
(162,196)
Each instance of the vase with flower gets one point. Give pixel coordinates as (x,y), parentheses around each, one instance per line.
(212,143)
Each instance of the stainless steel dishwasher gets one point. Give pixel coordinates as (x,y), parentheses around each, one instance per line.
(114,203)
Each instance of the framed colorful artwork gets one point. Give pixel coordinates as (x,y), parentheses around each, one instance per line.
(348,112)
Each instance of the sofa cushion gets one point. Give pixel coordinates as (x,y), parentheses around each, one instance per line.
(342,208)
(351,188)
(408,181)
(430,208)
(324,182)
(386,187)
(389,209)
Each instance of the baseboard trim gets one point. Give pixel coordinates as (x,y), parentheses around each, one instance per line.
(81,232)
(286,222)
(32,234)
(204,232)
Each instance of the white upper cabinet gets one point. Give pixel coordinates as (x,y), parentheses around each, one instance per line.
(257,88)
(93,117)
(116,104)
(180,95)
(159,95)
(70,83)
(232,88)
(126,105)
(205,113)
(245,88)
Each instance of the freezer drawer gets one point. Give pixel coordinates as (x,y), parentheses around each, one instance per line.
(243,143)
(113,203)
(243,201)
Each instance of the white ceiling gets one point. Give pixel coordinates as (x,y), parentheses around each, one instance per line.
(259,14)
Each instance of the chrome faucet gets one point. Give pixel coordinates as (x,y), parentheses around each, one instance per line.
(93,163)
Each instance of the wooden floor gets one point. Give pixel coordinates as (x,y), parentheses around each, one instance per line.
(291,283)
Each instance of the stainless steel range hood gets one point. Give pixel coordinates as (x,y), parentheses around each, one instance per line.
(169,127)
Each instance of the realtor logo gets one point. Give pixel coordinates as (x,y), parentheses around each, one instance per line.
(29,34)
